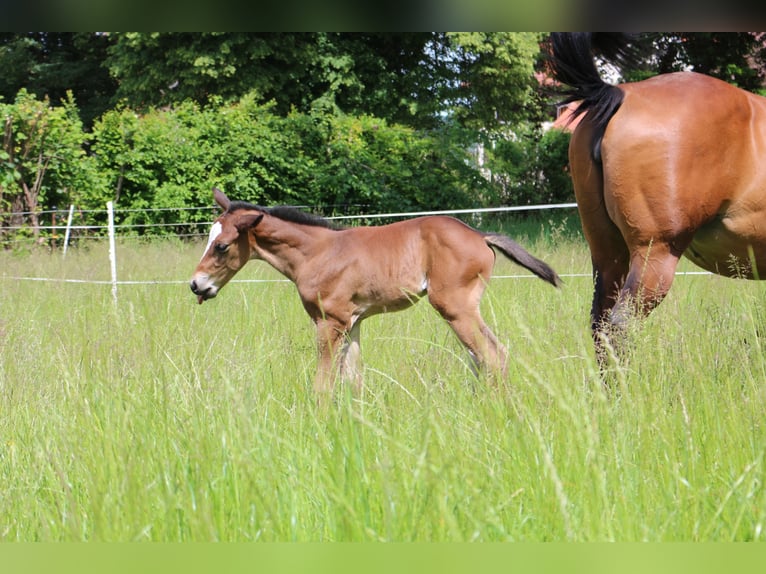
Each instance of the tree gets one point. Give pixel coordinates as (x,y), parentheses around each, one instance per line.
(481,79)
(160,69)
(494,81)
(735,57)
(53,64)
(43,156)
(418,79)
(375,74)
(386,76)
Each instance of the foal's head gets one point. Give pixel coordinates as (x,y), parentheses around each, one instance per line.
(228,248)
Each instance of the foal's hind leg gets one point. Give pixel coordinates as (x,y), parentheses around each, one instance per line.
(481,342)
(460,308)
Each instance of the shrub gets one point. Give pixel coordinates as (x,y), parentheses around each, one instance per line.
(42,161)
(328,161)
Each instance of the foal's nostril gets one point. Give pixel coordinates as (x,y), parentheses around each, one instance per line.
(193,286)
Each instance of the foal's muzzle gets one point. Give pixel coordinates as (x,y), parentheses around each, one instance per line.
(203,288)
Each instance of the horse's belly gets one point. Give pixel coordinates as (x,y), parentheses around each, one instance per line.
(380,298)
(731,246)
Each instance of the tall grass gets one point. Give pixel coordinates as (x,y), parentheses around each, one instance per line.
(157,419)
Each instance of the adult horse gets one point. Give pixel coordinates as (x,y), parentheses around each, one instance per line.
(669,166)
(346,275)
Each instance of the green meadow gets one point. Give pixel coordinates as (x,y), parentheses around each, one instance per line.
(156,419)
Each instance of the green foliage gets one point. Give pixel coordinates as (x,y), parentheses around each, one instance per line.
(151,161)
(43,158)
(728,56)
(372,165)
(494,83)
(386,75)
(359,73)
(201,66)
(531,167)
(171,158)
(53,64)
(553,159)
(481,79)
(735,57)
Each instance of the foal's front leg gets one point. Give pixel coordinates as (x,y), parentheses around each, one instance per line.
(339,354)
(329,337)
(349,358)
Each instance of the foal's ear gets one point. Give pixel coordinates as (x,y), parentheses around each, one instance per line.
(221,199)
(247,221)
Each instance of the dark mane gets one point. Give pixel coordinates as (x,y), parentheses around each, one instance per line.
(287,213)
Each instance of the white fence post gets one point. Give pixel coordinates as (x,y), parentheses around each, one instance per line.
(112,251)
(68,229)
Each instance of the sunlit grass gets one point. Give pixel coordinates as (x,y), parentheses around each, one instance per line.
(158,419)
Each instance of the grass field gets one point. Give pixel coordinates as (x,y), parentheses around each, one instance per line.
(157,419)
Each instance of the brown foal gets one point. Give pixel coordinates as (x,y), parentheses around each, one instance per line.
(346,275)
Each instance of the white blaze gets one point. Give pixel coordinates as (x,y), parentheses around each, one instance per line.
(215,231)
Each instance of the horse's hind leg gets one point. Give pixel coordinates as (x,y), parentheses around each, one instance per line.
(609,273)
(652,270)
(481,342)
(610,255)
(461,311)
(650,275)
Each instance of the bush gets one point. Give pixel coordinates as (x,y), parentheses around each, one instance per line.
(331,162)
(323,160)
(372,166)
(42,162)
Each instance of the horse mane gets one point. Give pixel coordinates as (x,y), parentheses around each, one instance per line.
(287,213)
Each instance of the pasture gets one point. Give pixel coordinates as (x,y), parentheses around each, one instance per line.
(160,420)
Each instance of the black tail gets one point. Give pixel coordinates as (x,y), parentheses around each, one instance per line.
(518,254)
(572,64)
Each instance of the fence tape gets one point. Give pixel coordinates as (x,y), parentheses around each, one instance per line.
(339,217)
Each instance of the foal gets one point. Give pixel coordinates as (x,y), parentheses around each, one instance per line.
(346,275)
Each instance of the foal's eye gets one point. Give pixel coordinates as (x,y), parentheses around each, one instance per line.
(221,247)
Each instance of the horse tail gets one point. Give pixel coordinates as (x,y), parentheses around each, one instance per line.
(572,63)
(518,254)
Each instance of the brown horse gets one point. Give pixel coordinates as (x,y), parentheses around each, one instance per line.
(346,275)
(669,166)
